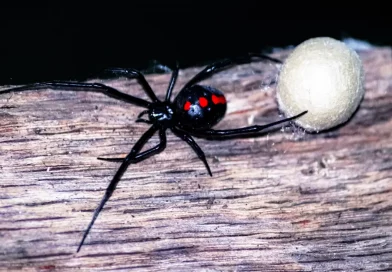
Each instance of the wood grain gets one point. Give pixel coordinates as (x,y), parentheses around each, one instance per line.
(287,201)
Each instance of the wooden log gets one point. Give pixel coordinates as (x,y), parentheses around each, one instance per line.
(287,201)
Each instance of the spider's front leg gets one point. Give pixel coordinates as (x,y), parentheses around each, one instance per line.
(131,74)
(81,86)
(156,67)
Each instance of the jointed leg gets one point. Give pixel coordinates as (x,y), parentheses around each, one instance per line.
(141,120)
(143,155)
(240,131)
(79,86)
(172,83)
(132,157)
(224,64)
(132,74)
(187,138)
(156,67)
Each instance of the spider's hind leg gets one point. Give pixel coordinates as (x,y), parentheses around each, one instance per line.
(218,66)
(133,157)
(238,132)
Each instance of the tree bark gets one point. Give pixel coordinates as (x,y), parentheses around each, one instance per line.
(286,201)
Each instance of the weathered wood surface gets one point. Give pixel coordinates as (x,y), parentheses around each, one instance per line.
(288,201)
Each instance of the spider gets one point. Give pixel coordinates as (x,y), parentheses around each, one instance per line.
(194,111)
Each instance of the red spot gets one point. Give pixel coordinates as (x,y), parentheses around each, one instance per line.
(203,102)
(187,105)
(218,99)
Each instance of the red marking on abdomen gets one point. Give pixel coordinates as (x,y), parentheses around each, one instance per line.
(187,105)
(218,99)
(203,102)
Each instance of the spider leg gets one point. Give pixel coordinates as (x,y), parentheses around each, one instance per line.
(172,83)
(132,157)
(156,67)
(142,113)
(211,133)
(132,74)
(187,138)
(140,120)
(225,64)
(141,156)
(75,86)
(111,159)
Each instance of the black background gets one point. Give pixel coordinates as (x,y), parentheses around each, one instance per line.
(73,42)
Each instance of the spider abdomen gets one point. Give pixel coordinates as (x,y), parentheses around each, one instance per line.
(200,107)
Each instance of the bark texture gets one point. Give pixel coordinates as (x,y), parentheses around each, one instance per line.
(286,201)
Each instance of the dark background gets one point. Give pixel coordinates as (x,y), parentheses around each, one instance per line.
(74,42)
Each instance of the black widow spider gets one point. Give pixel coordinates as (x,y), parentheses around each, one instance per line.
(194,111)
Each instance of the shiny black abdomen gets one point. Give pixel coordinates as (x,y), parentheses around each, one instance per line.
(199,107)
